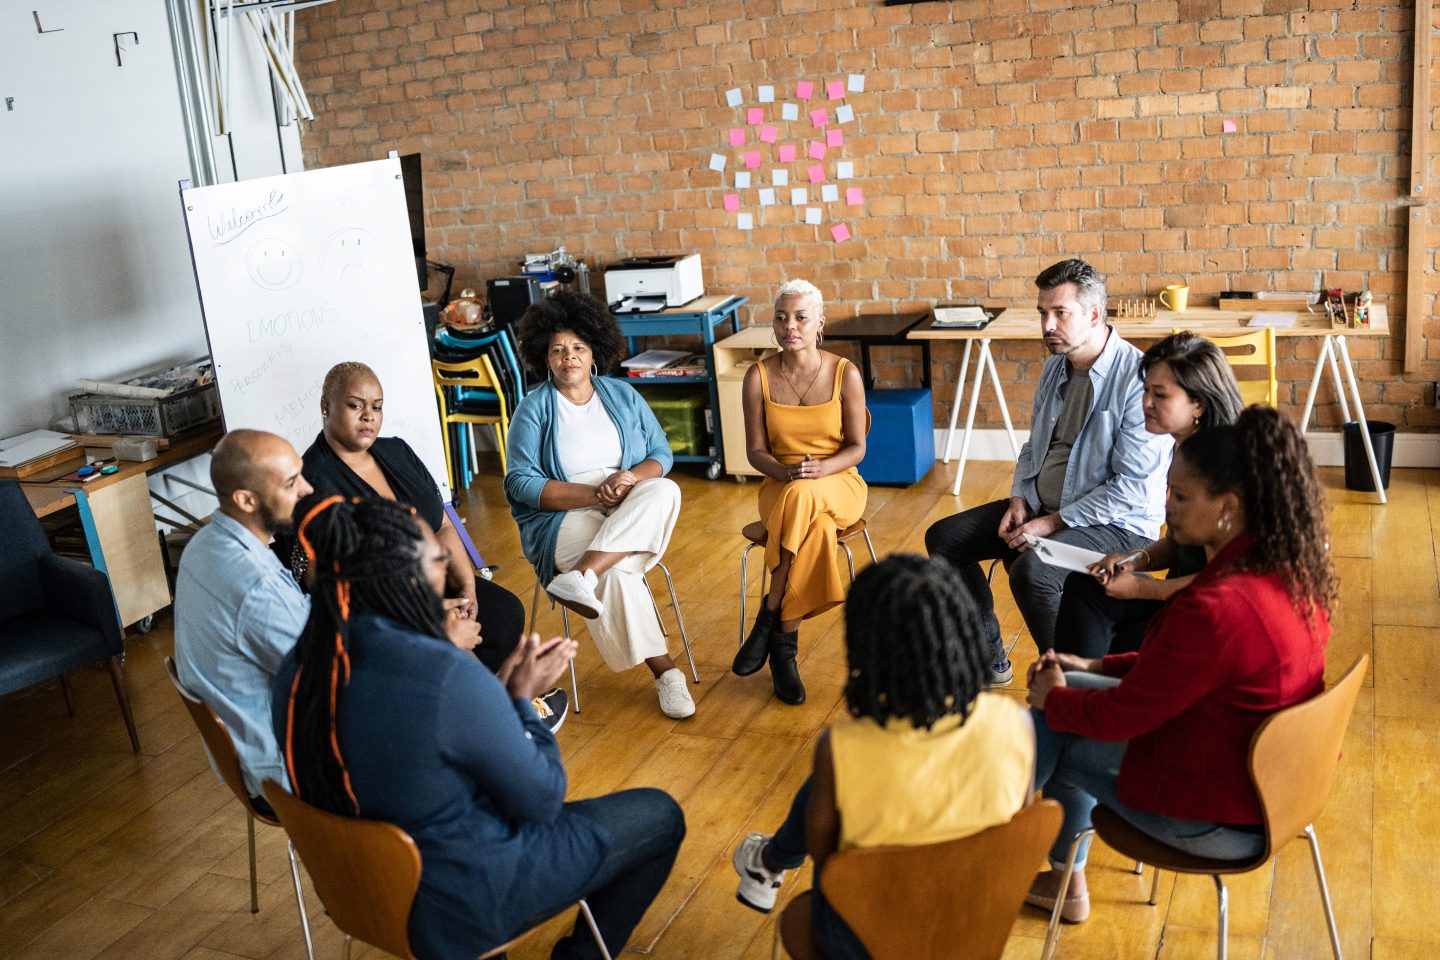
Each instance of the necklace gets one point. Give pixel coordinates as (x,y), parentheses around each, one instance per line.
(800,396)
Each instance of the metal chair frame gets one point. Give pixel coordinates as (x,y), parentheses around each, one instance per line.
(849,533)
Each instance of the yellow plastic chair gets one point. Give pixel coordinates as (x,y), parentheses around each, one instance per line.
(476,373)
(1252,358)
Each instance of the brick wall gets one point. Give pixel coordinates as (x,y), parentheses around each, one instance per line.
(992,138)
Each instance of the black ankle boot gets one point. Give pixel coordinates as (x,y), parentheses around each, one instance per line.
(757,645)
(783,672)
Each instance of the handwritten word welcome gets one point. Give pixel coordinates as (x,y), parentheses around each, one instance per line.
(230,225)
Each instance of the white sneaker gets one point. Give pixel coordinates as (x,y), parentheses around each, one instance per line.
(576,590)
(675,700)
(759,886)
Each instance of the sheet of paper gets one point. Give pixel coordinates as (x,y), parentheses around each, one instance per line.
(20,438)
(1063,555)
(768,134)
(789,111)
(737,136)
(959,316)
(767,196)
(717,161)
(812,215)
(803,89)
(755,116)
(840,232)
(844,170)
(732,202)
(815,172)
(767,94)
(815,150)
(733,97)
(742,179)
(834,137)
(829,193)
(819,118)
(854,196)
(787,153)
(799,196)
(856,83)
(27,450)
(752,159)
(844,113)
(1229,126)
(835,89)
(1272,318)
(780,177)
(745,221)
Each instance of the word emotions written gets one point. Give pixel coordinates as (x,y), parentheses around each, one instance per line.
(225,227)
(289,322)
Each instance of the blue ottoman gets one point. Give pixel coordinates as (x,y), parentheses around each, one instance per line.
(901,445)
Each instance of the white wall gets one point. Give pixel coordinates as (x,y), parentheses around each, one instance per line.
(95,275)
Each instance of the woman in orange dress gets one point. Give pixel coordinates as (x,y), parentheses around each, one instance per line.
(805,431)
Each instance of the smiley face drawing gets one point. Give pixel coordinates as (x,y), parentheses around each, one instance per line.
(274,264)
(351,261)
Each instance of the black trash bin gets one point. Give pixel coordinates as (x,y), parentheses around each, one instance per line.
(1357,468)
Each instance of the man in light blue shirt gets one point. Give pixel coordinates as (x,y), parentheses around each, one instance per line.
(1089,475)
(238,611)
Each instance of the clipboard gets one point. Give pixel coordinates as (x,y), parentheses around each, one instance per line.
(1063,555)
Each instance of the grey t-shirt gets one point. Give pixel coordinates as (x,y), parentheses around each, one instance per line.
(1074,408)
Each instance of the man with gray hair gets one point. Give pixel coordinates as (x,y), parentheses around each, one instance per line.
(1089,474)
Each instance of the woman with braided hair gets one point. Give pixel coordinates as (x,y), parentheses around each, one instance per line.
(1162,735)
(379,714)
(926,754)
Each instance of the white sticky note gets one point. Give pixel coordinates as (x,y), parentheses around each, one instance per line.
(780,177)
(844,170)
(733,98)
(812,215)
(844,113)
(745,221)
(742,178)
(799,196)
(856,83)
(789,111)
(767,197)
(767,94)
(829,192)
(717,162)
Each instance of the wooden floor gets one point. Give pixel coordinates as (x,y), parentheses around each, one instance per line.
(107,854)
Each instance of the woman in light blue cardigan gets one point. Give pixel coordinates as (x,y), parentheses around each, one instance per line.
(586,484)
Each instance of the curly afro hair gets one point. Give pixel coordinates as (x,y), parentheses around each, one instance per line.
(586,317)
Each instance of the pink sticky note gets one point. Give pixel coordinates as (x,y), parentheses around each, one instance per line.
(815,150)
(835,137)
(840,232)
(816,172)
(1230,126)
(854,196)
(818,118)
(767,134)
(732,202)
(787,153)
(804,89)
(755,116)
(752,159)
(737,136)
(835,89)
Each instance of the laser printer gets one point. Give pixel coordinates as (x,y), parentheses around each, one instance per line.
(648,284)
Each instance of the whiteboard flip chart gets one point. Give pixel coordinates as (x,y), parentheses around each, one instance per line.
(299,272)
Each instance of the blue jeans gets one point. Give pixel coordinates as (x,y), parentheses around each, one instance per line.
(787,850)
(646,827)
(1079,772)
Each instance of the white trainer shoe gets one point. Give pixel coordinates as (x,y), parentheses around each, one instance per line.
(675,700)
(576,590)
(759,886)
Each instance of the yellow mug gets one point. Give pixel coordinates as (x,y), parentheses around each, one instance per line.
(1178,297)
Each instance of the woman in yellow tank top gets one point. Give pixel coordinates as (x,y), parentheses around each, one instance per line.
(925,756)
(805,431)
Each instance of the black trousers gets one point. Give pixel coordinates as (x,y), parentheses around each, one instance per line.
(502,618)
(1091,624)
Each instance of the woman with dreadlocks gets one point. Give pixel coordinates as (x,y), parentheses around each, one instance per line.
(926,754)
(1162,735)
(380,715)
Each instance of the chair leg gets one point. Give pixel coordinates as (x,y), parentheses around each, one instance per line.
(348,941)
(113,665)
(1052,932)
(1139,870)
(534,606)
(1155,888)
(594,930)
(250,838)
(744,584)
(679,620)
(1222,897)
(65,692)
(300,905)
(574,684)
(849,559)
(1324,889)
(869,546)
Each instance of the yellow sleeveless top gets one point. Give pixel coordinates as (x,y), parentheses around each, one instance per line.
(794,430)
(903,786)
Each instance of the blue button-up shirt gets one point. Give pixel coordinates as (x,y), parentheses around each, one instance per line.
(238,612)
(1116,473)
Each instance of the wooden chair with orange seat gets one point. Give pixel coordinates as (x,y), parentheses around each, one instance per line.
(890,897)
(1293,758)
(222,750)
(366,873)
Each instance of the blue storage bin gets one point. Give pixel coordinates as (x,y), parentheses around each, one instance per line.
(901,445)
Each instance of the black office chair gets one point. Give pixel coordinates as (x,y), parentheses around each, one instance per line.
(56,614)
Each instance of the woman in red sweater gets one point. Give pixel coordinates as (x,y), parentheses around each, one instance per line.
(1162,736)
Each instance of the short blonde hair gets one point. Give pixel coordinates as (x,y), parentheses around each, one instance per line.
(340,375)
(800,288)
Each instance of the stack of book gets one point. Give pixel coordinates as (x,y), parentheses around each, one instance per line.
(30,453)
(665,363)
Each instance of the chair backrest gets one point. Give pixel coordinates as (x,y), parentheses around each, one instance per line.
(217,741)
(1252,359)
(475,373)
(22,544)
(955,900)
(1294,755)
(365,871)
